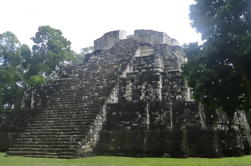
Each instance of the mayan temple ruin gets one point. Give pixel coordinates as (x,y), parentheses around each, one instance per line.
(127,98)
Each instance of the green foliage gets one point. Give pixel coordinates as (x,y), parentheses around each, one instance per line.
(21,68)
(219,70)
(26,56)
(50,52)
(79,58)
(10,76)
(37,80)
(221,18)
(216,85)
(9,50)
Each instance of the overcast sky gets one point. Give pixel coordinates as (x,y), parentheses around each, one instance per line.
(83,21)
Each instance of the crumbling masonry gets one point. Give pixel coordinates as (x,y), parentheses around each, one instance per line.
(128,98)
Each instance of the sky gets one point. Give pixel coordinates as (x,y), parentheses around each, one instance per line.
(83,21)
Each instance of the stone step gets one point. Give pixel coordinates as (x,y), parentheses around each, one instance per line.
(48,141)
(41,122)
(56,128)
(78,103)
(78,100)
(42,127)
(84,87)
(36,137)
(96,91)
(74,106)
(42,149)
(81,118)
(54,132)
(50,136)
(61,156)
(68,111)
(66,155)
(44,146)
(62,121)
(68,114)
(54,117)
(83,107)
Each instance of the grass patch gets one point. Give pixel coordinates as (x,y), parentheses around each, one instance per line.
(124,161)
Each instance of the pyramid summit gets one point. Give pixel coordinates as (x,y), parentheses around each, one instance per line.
(144,36)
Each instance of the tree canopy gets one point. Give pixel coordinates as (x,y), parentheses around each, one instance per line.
(219,70)
(22,68)
(49,53)
(10,71)
(9,50)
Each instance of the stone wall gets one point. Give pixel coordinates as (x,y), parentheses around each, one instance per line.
(154,37)
(144,36)
(154,74)
(6,140)
(109,39)
(173,56)
(154,115)
(174,87)
(165,130)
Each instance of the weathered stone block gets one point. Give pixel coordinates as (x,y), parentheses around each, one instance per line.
(109,39)
(154,37)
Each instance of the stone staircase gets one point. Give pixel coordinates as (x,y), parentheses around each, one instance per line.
(63,125)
